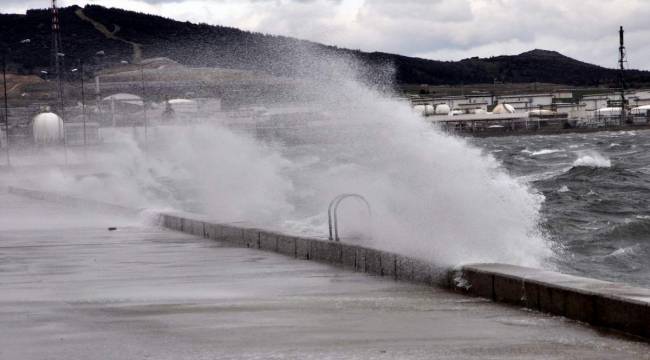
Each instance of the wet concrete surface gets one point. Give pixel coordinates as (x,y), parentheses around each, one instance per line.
(71,289)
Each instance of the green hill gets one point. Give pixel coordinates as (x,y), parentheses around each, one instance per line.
(122,35)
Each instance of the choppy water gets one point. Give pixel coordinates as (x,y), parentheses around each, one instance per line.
(597,190)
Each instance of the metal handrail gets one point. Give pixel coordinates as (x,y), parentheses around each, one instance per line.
(329,214)
(334,205)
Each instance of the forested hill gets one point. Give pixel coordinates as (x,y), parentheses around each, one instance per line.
(122,35)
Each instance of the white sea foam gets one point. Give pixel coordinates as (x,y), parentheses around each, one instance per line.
(563,189)
(625,251)
(545,152)
(590,158)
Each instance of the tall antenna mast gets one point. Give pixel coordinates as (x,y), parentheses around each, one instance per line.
(56,42)
(57,66)
(621,62)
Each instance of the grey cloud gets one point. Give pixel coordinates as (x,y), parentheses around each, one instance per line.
(441,29)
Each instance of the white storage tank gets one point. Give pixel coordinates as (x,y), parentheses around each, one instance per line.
(47,128)
(420,109)
(640,110)
(183,105)
(442,109)
(541,112)
(608,111)
(124,98)
(181,102)
(424,110)
(503,109)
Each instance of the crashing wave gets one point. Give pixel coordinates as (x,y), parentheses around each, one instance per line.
(592,159)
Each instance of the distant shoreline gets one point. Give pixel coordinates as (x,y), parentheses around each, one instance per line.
(502,133)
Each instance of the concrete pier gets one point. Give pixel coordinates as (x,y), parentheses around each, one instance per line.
(601,303)
(605,304)
(71,289)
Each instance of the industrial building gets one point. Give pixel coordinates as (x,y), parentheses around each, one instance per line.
(562,109)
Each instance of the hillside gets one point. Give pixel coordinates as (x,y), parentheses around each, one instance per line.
(125,35)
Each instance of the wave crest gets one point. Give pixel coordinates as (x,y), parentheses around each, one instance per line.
(592,159)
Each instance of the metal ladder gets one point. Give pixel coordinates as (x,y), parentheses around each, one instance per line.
(333,209)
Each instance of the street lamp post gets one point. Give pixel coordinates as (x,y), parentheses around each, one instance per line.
(99,57)
(83,103)
(62,106)
(144,108)
(6,114)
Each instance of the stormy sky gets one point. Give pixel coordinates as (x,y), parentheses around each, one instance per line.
(435,29)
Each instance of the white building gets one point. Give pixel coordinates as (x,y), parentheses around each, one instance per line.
(594,102)
(639,98)
(563,94)
(634,98)
(572,110)
(526,102)
(561,101)
(468,103)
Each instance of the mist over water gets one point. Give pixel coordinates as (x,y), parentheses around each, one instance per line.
(432,195)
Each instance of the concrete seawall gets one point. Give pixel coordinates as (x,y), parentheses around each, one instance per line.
(354,257)
(600,303)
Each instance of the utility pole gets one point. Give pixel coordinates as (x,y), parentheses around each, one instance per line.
(492,97)
(98,66)
(144,107)
(6,114)
(62,110)
(621,62)
(83,103)
(57,58)
(57,55)
(56,40)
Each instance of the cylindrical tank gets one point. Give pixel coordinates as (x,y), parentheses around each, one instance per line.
(541,112)
(608,111)
(503,109)
(420,109)
(48,128)
(442,109)
(640,110)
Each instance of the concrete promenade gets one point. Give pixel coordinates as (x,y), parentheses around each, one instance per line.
(71,289)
